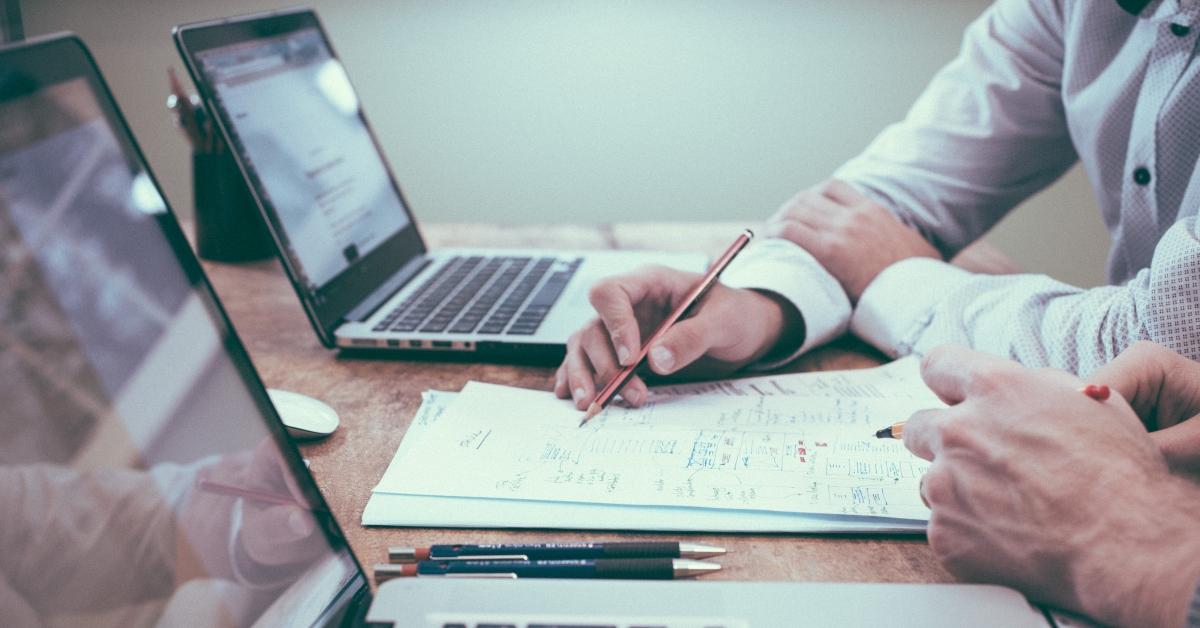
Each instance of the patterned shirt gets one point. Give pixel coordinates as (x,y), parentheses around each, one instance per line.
(1037,86)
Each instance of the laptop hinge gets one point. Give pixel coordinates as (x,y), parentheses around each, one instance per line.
(367,307)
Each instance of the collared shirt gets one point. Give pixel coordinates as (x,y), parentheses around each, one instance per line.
(1037,86)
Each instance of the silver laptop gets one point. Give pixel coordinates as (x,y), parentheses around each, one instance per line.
(343,229)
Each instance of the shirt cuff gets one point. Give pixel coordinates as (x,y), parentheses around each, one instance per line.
(781,267)
(898,304)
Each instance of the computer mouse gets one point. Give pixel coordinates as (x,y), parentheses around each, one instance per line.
(304,417)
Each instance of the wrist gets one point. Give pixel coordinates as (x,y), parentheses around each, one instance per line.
(782,327)
(1151,576)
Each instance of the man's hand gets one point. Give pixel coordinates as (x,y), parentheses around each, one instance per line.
(730,328)
(1164,389)
(852,237)
(1037,486)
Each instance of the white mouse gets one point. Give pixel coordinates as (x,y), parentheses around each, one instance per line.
(304,417)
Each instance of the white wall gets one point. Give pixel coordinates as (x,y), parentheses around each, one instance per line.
(573,111)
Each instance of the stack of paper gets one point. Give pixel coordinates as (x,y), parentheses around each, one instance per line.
(791,453)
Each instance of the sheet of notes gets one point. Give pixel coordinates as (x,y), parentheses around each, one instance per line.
(785,452)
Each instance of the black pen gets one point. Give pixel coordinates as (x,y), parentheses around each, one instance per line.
(549,551)
(628,568)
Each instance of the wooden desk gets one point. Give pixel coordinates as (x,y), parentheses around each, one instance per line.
(377,398)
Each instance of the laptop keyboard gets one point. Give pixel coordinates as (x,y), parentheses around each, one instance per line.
(485,295)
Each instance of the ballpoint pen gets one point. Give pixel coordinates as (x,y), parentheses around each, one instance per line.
(546,551)
(691,299)
(631,568)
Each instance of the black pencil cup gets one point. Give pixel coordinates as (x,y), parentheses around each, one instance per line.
(229,227)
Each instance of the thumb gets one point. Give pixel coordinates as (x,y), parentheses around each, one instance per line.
(1180,445)
(683,344)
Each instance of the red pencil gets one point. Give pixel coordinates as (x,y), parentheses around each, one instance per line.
(692,298)
(236,491)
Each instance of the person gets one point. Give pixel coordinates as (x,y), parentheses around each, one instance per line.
(1037,86)
(1087,505)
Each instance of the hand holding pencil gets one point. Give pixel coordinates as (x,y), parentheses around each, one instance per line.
(730,328)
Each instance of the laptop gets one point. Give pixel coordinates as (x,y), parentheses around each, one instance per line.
(344,231)
(147,479)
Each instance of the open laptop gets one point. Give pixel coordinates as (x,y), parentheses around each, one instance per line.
(345,232)
(145,477)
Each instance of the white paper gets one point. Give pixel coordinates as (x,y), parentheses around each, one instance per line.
(793,454)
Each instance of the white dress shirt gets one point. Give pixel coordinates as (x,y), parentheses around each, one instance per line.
(1037,86)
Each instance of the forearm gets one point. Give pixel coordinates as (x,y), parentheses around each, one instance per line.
(915,305)
(987,132)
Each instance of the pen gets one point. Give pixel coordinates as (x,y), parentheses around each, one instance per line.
(627,568)
(1099,392)
(690,299)
(228,490)
(548,551)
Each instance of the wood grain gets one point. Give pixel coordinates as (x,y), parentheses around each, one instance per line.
(376,399)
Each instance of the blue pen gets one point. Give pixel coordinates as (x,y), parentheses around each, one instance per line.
(644,568)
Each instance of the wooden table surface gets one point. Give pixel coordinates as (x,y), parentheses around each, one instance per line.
(377,398)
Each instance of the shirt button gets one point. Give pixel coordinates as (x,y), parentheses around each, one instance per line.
(1141,176)
(1179,30)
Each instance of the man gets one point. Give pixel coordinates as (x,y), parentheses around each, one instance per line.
(1038,85)
(1068,499)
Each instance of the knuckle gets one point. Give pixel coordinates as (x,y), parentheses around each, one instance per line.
(939,489)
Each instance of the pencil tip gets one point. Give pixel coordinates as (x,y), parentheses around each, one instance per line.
(884,433)
(592,411)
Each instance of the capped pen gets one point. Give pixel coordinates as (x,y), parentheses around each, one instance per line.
(548,551)
(623,568)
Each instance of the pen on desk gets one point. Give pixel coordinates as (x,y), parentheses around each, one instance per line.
(548,551)
(692,298)
(228,490)
(1099,392)
(622,568)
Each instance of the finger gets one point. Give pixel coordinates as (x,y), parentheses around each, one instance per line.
(561,390)
(599,352)
(842,193)
(684,343)
(803,235)
(614,300)
(923,432)
(1162,386)
(953,372)
(1180,445)
(580,376)
(635,392)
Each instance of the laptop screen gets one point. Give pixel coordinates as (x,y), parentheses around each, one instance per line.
(143,475)
(297,120)
(294,123)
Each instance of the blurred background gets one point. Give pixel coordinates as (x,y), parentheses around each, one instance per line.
(585,112)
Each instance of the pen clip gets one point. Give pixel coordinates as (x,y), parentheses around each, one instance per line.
(481,557)
(502,576)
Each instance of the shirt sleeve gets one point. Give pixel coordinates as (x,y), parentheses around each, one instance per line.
(781,267)
(917,304)
(988,131)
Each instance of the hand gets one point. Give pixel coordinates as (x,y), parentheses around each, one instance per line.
(852,237)
(1164,389)
(1039,487)
(731,328)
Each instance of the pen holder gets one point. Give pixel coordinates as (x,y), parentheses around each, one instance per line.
(229,227)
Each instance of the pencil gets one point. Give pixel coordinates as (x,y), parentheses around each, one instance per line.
(229,490)
(692,298)
(1099,392)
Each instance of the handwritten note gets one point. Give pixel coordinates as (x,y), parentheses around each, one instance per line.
(783,453)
